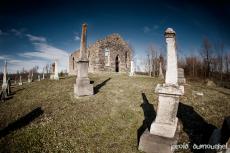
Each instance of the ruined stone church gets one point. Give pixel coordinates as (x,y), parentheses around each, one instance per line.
(110,54)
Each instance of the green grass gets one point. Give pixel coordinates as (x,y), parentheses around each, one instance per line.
(105,122)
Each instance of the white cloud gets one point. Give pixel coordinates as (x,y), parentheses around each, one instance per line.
(3,33)
(155,27)
(4,57)
(146,29)
(17,32)
(77,36)
(47,52)
(33,38)
(42,55)
(14,64)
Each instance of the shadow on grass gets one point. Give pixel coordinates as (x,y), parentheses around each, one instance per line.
(14,92)
(98,87)
(198,130)
(21,122)
(149,116)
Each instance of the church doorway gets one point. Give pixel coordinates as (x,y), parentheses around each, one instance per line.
(117,64)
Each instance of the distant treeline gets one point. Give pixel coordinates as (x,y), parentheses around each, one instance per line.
(212,62)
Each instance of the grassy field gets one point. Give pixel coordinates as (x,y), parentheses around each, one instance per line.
(45,117)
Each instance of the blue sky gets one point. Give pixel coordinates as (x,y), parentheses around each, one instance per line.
(35,32)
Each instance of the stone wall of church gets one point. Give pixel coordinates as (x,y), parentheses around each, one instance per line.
(117,59)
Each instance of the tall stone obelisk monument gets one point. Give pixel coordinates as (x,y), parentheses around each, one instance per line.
(165,123)
(56,76)
(4,83)
(83,86)
(163,131)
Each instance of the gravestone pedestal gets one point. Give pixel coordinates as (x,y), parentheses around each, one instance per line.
(83,86)
(166,121)
(4,83)
(181,78)
(20,81)
(56,76)
(151,143)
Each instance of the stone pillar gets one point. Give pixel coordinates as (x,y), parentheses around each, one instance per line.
(164,130)
(43,75)
(161,75)
(83,86)
(32,76)
(181,78)
(132,69)
(20,81)
(39,79)
(56,77)
(4,83)
(171,71)
(29,79)
(165,123)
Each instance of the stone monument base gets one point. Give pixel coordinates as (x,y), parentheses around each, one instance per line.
(51,76)
(151,143)
(181,80)
(4,86)
(164,129)
(56,77)
(83,87)
(131,74)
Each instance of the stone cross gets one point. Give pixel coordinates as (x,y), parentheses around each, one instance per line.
(171,71)
(56,77)
(83,53)
(4,84)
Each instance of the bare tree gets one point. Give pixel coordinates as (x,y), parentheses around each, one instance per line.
(206,52)
(153,60)
(227,62)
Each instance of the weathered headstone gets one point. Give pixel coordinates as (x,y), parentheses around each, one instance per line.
(39,79)
(161,75)
(29,79)
(132,68)
(4,83)
(181,78)
(164,130)
(15,80)
(43,74)
(83,86)
(20,80)
(56,77)
(32,76)
(8,86)
(52,71)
